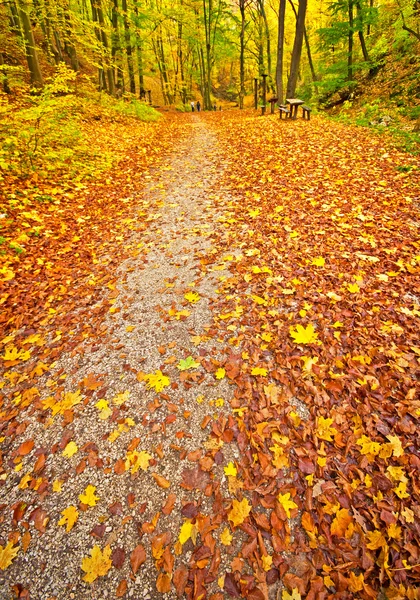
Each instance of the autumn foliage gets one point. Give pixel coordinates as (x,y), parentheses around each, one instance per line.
(316,318)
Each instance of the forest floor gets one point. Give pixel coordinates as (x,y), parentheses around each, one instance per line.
(211,362)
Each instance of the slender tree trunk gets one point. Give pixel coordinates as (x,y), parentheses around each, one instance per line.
(242,55)
(101,73)
(116,50)
(360,28)
(207,26)
(267,39)
(128,48)
(139,49)
(368,31)
(30,49)
(350,42)
(183,92)
(5,81)
(297,49)
(69,45)
(280,52)
(308,49)
(109,69)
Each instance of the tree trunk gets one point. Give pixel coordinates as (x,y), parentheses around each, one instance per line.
(128,48)
(308,50)
(142,91)
(183,89)
(30,50)
(104,39)
(280,52)
(360,28)
(207,26)
(267,39)
(297,49)
(101,75)
(69,45)
(350,43)
(116,49)
(242,55)
(3,75)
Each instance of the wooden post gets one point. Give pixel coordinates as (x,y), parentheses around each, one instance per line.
(255,93)
(264,93)
(149,93)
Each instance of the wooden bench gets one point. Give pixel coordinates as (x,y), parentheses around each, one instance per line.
(284,111)
(306,110)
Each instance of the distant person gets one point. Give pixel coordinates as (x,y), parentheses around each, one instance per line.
(214,107)
(193,107)
(198,105)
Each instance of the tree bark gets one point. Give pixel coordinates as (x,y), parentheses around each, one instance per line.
(139,49)
(360,28)
(30,49)
(207,79)
(116,49)
(280,52)
(128,48)
(297,49)
(308,50)
(242,55)
(109,69)
(350,42)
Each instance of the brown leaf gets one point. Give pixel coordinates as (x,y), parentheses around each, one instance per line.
(25,447)
(163,583)
(137,558)
(169,504)
(180,580)
(121,589)
(118,557)
(161,481)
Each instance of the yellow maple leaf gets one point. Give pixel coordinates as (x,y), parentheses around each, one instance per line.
(324,431)
(304,335)
(188,530)
(69,518)
(157,380)
(88,497)
(293,596)
(192,297)
(220,373)
(121,398)
(318,262)
(70,449)
(267,562)
(368,447)
(280,460)
(356,582)
(7,554)
(98,564)
(267,337)
(231,470)
(259,300)
(408,515)
(341,522)
(226,537)
(138,460)
(396,445)
(57,485)
(286,503)
(376,540)
(353,288)
(103,407)
(401,490)
(239,511)
(259,371)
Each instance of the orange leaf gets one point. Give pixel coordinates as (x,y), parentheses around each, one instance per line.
(25,447)
(163,583)
(161,481)
(121,589)
(137,558)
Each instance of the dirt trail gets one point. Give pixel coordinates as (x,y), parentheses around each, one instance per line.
(151,328)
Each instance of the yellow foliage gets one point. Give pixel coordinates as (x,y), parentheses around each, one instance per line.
(7,554)
(239,511)
(287,503)
(88,497)
(304,335)
(98,564)
(69,518)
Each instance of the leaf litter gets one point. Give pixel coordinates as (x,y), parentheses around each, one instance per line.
(238,414)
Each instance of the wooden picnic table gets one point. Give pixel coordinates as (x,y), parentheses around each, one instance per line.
(294,104)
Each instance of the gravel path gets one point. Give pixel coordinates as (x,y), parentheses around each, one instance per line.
(97,399)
